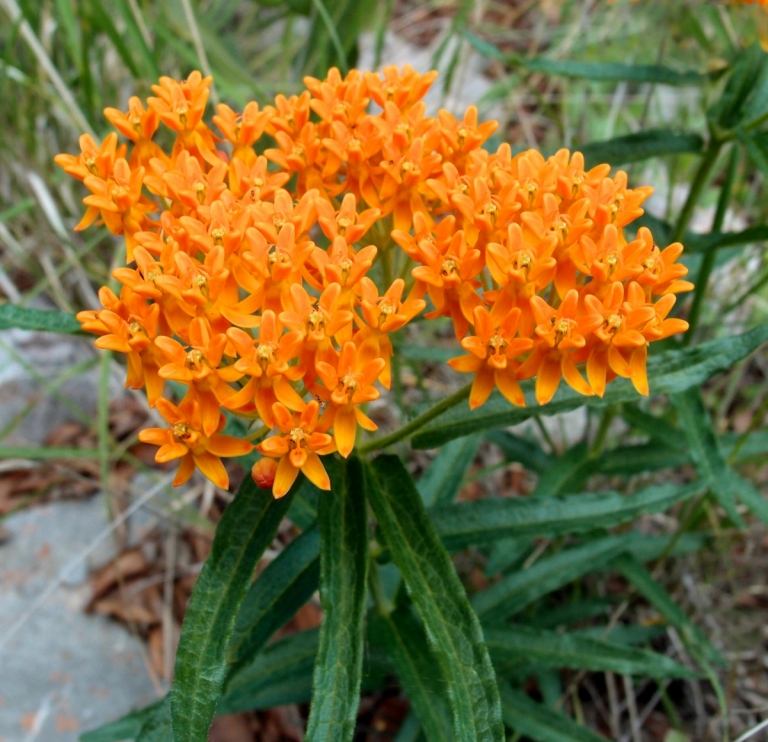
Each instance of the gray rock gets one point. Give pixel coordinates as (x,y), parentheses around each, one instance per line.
(63,671)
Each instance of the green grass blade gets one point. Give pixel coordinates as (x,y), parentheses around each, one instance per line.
(439,599)
(343,568)
(247,527)
(669,372)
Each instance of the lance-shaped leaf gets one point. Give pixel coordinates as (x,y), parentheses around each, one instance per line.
(442,480)
(641,146)
(419,673)
(247,527)
(46,320)
(281,589)
(705,451)
(546,648)
(485,521)
(280,674)
(539,722)
(519,589)
(597,71)
(439,599)
(669,372)
(130,725)
(343,569)
(654,593)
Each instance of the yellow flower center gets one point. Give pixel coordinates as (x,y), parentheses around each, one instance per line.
(497,343)
(297,437)
(449,268)
(193,358)
(316,320)
(181,431)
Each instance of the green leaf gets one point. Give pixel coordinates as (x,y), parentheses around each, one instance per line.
(439,599)
(540,723)
(702,243)
(745,96)
(129,726)
(419,673)
(442,480)
(757,148)
(645,457)
(705,451)
(281,589)
(693,638)
(45,320)
(54,452)
(247,527)
(641,146)
(485,521)
(343,569)
(613,71)
(566,473)
(281,674)
(599,71)
(545,648)
(521,450)
(157,726)
(669,372)
(512,593)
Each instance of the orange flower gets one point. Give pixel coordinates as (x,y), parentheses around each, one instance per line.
(186,440)
(297,448)
(562,334)
(494,354)
(350,383)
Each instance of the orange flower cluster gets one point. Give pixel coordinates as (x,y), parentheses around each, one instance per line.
(248,280)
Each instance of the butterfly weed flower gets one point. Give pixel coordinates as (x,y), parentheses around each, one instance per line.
(271,254)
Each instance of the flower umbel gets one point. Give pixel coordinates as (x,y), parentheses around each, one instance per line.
(255,275)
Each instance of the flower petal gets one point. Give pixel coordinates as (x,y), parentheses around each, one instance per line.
(315,471)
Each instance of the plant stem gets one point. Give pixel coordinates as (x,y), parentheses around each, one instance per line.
(602,432)
(708,262)
(418,422)
(699,182)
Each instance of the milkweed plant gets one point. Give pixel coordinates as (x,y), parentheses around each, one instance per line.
(273,259)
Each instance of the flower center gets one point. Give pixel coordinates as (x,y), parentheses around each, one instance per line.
(193,358)
(297,436)
(181,431)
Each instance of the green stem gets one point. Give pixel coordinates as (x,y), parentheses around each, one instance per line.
(383,605)
(700,180)
(418,422)
(602,432)
(708,262)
